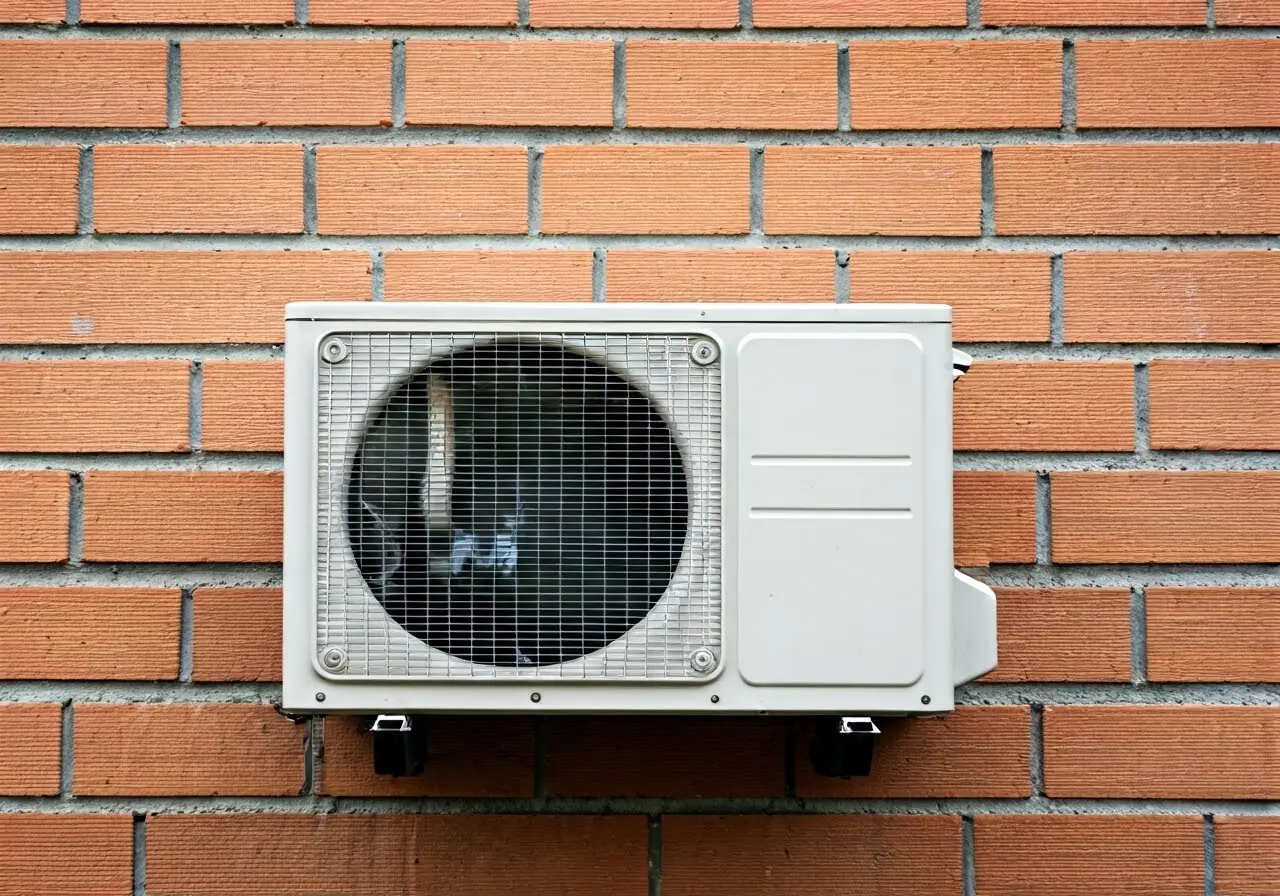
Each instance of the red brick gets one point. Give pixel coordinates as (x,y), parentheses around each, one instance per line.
(972,752)
(1162,752)
(89,634)
(422,189)
(1213,634)
(464,855)
(862,14)
(94,405)
(167,297)
(1045,406)
(33,11)
(1093,12)
(1130,189)
(733,275)
(206,12)
(682,84)
(38,189)
(895,190)
(633,13)
(920,85)
(31,760)
(172,517)
(1070,855)
(646,189)
(1166,517)
(286,82)
(242,404)
(525,82)
(1172,296)
(198,189)
(1226,404)
(471,756)
(191,749)
(412,12)
(700,757)
(1246,855)
(995,518)
(818,855)
(1062,634)
(34,516)
(236,634)
(64,854)
(994,296)
(483,275)
(1247,12)
(82,83)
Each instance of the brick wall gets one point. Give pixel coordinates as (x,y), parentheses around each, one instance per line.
(1093,184)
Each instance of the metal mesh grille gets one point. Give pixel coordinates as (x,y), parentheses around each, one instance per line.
(518,506)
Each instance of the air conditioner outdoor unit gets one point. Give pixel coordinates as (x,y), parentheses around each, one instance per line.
(624,508)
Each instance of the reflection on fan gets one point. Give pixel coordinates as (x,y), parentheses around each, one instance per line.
(518,504)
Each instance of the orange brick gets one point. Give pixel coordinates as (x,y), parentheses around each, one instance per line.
(34,516)
(917,85)
(31,760)
(1177,83)
(483,275)
(862,14)
(972,752)
(198,189)
(38,189)
(995,518)
(206,12)
(422,189)
(994,296)
(1172,296)
(236,634)
(1048,406)
(820,855)
(1166,517)
(896,190)
(682,84)
(1215,404)
(735,275)
(94,406)
(191,749)
(1062,634)
(82,83)
(286,82)
(412,12)
(1247,12)
(529,82)
(1069,855)
(167,297)
(1175,189)
(89,634)
(169,517)
(33,11)
(633,13)
(464,855)
(243,406)
(1162,752)
(708,757)
(1213,634)
(1093,12)
(646,189)
(1246,855)
(472,756)
(64,853)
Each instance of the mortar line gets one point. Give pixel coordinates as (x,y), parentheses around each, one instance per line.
(1037,750)
(1142,408)
(1138,635)
(522,14)
(619,84)
(75,519)
(844,98)
(973,14)
(655,855)
(842,276)
(309,755)
(301,12)
(1044,518)
(790,747)
(378,276)
(399,83)
(599,275)
(84,195)
(534,200)
(1069,85)
(1057,300)
(73,12)
(967,874)
(1211,14)
(988,213)
(139,854)
(309,210)
(1210,851)
(540,741)
(186,636)
(746,16)
(67,753)
(757,191)
(195,406)
(173,85)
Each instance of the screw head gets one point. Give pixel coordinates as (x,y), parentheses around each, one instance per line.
(334,659)
(702,660)
(715,698)
(926,700)
(535,697)
(334,350)
(320,697)
(704,352)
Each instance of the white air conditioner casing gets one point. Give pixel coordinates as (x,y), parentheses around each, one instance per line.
(814,570)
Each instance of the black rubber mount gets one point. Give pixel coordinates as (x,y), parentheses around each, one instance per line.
(399,745)
(843,747)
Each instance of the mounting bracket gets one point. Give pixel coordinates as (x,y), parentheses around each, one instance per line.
(843,746)
(399,745)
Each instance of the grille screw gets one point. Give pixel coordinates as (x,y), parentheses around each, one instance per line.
(704,352)
(334,350)
(926,700)
(320,697)
(334,659)
(702,660)
(535,697)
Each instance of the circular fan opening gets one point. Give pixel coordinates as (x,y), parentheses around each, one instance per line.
(518,504)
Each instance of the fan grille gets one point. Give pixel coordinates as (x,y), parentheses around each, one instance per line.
(531,505)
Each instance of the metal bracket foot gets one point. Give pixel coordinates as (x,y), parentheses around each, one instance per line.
(843,746)
(399,746)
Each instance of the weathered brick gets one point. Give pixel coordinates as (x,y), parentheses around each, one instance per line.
(995,518)
(33,11)
(895,190)
(1223,404)
(412,12)
(34,516)
(863,14)
(1162,752)
(242,406)
(206,12)
(39,189)
(681,84)
(633,13)
(31,756)
(82,83)
(1213,634)
(481,275)
(526,82)
(1093,12)
(90,634)
(64,854)
(920,85)
(1247,12)
(1062,634)
(236,634)
(1246,853)
(191,749)
(733,275)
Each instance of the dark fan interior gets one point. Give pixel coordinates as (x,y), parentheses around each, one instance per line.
(567,513)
